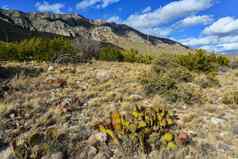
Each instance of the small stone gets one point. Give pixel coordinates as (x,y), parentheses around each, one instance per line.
(217,121)
(103,76)
(57,82)
(50,68)
(12,116)
(27,115)
(224,147)
(135,97)
(182,138)
(235,129)
(57,155)
(92,140)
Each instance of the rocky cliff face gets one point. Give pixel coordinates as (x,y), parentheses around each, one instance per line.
(76,26)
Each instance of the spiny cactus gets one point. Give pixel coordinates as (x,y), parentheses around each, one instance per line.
(143,126)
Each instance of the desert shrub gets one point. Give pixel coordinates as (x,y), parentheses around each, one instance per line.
(130,55)
(223,61)
(38,49)
(134,56)
(110,54)
(171,80)
(145,128)
(202,61)
(184,92)
(7,51)
(165,74)
(230,97)
(174,80)
(113,54)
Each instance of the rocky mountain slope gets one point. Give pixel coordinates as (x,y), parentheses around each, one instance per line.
(75,26)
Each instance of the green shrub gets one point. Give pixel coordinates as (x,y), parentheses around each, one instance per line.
(110,54)
(171,75)
(130,55)
(7,51)
(159,82)
(202,61)
(134,56)
(169,72)
(222,60)
(198,61)
(184,92)
(113,54)
(37,49)
(165,74)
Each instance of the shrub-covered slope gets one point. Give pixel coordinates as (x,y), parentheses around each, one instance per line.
(104,110)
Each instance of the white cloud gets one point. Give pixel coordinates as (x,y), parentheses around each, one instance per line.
(147,9)
(106,3)
(167,13)
(214,43)
(200,41)
(86,3)
(229,47)
(99,3)
(225,25)
(194,20)
(115,19)
(47,7)
(154,22)
(157,31)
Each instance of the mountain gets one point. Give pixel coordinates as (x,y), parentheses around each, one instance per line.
(16,25)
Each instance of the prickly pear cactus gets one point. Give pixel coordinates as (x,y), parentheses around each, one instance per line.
(147,127)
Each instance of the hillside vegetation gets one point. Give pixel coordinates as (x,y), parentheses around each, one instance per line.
(122,105)
(36,49)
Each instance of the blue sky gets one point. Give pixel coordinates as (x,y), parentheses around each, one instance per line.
(208,24)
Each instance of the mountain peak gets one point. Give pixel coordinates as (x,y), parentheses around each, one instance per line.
(77,26)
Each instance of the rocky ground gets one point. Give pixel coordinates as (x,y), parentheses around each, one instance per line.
(67,101)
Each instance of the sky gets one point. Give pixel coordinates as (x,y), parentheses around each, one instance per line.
(207,24)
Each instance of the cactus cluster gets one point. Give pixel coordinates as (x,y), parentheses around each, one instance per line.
(147,127)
